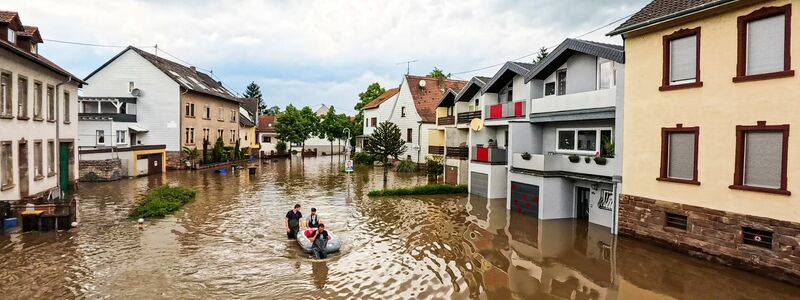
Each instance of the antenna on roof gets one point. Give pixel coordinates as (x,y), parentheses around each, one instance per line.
(156,46)
(408,65)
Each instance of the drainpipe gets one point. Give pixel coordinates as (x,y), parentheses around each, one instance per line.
(58,131)
(419,137)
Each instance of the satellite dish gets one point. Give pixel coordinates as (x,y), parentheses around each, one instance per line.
(136,92)
(476,124)
(422,83)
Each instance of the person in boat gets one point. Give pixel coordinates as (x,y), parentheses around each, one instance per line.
(313,219)
(319,242)
(293,221)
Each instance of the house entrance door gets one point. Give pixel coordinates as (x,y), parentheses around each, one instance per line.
(582,202)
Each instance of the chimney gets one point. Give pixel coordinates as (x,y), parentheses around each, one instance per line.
(193,69)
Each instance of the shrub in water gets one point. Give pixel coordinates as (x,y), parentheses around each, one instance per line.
(363,158)
(163,201)
(406,166)
(431,189)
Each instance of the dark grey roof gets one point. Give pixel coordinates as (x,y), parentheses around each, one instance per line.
(473,86)
(506,73)
(186,77)
(559,56)
(250,105)
(662,10)
(243,120)
(448,99)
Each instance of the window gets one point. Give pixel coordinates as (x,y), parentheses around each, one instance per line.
(233,116)
(51,107)
(206,133)
(561,78)
(34,48)
(679,149)
(37,160)
(409,135)
(606,75)
(550,89)
(66,108)
(220,133)
(761,155)
(477,103)
(38,93)
(266,139)
(366,123)
(681,65)
(5,95)
(221,114)
(403,112)
(6,166)
(374,122)
(189,136)
(51,158)
(12,36)
(189,110)
(121,136)
(764,44)
(131,86)
(583,141)
(51,95)
(100,137)
(233,136)
(22,97)
(510,95)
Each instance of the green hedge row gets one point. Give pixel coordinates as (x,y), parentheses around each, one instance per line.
(431,189)
(163,201)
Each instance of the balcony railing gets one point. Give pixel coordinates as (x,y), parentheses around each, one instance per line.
(457,152)
(495,156)
(467,117)
(506,110)
(107,116)
(448,120)
(436,150)
(561,162)
(578,101)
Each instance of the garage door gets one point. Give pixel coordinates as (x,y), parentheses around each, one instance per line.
(525,198)
(451,175)
(479,184)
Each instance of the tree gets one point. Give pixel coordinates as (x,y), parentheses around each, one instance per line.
(253,91)
(192,154)
(297,126)
(373,91)
(237,152)
(272,111)
(541,55)
(438,73)
(385,143)
(206,143)
(218,154)
(331,126)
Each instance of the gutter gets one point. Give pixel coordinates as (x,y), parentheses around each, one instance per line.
(669,17)
(58,133)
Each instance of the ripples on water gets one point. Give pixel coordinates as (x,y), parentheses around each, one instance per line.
(230,243)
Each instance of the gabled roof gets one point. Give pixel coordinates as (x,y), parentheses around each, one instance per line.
(559,56)
(245,118)
(250,105)
(266,124)
(664,10)
(506,73)
(11,17)
(448,99)
(473,87)
(187,77)
(427,98)
(32,32)
(375,103)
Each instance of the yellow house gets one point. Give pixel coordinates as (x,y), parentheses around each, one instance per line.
(710,98)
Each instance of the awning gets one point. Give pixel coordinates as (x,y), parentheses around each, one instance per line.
(137,128)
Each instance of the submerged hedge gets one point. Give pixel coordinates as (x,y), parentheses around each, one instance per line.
(163,201)
(431,189)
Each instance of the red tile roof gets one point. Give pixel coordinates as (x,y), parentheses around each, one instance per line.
(266,124)
(7,17)
(375,103)
(427,98)
(32,31)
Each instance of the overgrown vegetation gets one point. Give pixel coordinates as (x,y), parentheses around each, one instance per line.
(163,201)
(435,167)
(406,166)
(363,158)
(218,154)
(431,189)
(386,143)
(280,147)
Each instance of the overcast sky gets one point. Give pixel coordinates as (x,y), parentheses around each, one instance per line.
(313,52)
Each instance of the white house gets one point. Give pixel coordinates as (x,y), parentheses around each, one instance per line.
(375,112)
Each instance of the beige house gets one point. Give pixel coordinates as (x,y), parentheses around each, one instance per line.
(38,117)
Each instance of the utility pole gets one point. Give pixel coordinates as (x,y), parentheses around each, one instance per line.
(408,65)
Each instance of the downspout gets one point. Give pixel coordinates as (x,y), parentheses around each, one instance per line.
(58,134)
(180,125)
(419,142)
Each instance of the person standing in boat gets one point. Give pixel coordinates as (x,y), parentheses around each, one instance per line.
(313,219)
(293,221)
(319,242)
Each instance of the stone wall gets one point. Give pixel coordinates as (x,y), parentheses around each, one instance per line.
(715,235)
(175,160)
(101,170)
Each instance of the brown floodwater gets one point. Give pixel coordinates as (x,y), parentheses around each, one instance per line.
(230,243)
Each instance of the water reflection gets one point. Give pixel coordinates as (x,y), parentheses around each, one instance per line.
(229,243)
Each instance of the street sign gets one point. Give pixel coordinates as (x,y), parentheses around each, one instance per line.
(348,166)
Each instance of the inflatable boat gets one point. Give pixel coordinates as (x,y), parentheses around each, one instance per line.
(303,239)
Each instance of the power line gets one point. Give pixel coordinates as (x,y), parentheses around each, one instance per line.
(93,45)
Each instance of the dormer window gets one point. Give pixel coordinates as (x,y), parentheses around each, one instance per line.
(34,48)
(12,36)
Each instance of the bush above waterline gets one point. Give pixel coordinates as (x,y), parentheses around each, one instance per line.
(163,201)
(431,189)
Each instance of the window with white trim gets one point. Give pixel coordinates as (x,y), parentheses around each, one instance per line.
(51,158)
(6,166)
(5,95)
(587,141)
(100,138)
(37,160)
(121,136)
(12,36)
(606,74)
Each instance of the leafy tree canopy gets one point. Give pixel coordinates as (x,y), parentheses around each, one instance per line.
(272,111)
(438,73)
(373,91)
(297,126)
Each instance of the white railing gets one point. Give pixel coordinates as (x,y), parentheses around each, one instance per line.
(577,101)
(561,162)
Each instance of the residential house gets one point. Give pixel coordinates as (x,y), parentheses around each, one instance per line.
(38,118)
(713,93)
(172,105)
(376,112)
(414,111)
(504,98)
(247,126)
(322,145)
(566,159)
(267,136)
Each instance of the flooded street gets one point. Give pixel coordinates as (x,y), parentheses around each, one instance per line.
(230,243)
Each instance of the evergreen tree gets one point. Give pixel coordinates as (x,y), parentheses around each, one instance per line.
(386,143)
(253,91)
(541,55)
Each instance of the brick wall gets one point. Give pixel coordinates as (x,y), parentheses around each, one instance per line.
(715,235)
(101,170)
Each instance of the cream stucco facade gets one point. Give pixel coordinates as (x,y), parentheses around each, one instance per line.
(224,118)
(716,107)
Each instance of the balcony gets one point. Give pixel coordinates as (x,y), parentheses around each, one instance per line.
(506,110)
(561,163)
(457,152)
(436,150)
(448,120)
(579,101)
(467,117)
(107,116)
(495,156)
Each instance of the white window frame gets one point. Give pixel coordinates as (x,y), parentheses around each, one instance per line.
(121,138)
(12,36)
(99,134)
(598,146)
(613,83)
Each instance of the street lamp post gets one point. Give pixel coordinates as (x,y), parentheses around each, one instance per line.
(348,167)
